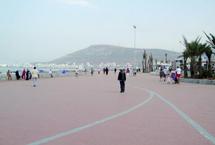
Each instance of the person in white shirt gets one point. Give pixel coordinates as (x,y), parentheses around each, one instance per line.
(76,72)
(165,72)
(50,73)
(178,73)
(35,75)
(99,70)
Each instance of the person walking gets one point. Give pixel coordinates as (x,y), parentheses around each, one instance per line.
(178,74)
(17,75)
(115,70)
(106,71)
(28,74)
(35,75)
(76,72)
(9,77)
(50,73)
(91,71)
(24,74)
(99,70)
(161,73)
(122,79)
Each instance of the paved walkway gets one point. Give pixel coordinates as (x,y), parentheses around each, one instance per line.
(91,111)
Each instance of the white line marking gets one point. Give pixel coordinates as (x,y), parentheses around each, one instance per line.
(75,130)
(183,115)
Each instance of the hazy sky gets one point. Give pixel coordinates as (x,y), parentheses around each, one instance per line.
(41,30)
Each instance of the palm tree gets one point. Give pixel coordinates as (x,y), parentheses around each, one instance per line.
(200,51)
(150,62)
(211,39)
(145,60)
(156,63)
(185,55)
(208,52)
(165,57)
(192,51)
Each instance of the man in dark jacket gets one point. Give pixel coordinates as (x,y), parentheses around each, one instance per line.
(122,79)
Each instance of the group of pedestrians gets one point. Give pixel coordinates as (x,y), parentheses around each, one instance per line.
(34,75)
(166,75)
(121,76)
(26,75)
(106,70)
(170,75)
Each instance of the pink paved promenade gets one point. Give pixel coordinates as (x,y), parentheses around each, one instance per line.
(89,110)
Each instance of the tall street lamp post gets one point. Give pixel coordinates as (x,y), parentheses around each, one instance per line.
(134,36)
(134,27)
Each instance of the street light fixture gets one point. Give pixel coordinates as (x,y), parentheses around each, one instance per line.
(135,27)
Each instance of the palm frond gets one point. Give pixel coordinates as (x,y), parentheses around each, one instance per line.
(211,39)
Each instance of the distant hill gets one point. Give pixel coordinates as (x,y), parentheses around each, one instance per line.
(97,54)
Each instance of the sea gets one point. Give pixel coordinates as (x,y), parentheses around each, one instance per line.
(11,68)
(44,69)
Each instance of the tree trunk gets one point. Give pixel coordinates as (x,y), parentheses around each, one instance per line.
(192,70)
(209,67)
(200,67)
(185,68)
(143,66)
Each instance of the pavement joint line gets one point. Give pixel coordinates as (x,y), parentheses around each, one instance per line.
(98,122)
(183,115)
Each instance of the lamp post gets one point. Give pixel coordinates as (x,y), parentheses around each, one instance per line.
(134,27)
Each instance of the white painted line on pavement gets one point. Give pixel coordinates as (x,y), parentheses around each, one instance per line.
(183,115)
(76,130)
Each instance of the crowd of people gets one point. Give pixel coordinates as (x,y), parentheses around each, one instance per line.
(25,75)
(170,75)
(106,70)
